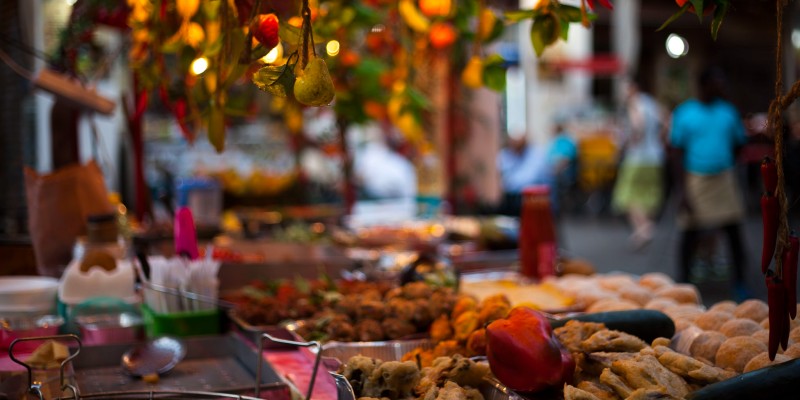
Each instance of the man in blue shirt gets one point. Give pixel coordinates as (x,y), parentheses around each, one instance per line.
(521,165)
(707,132)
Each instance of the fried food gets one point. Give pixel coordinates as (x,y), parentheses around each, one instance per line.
(682,293)
(612,305)
(793,351)
(736,352)
(396,328)
(464,304)
(660,304)
(573,393)
(493,310)
(451,391)
(574,332)
(762,361)
(417,290)
(369,330)
(371,309)
(637,294)
(794,335)
(740,327)
(423,358)
(401,309)
(662,341)
(598,389)
(441,302)
(49,354)
(465,372)
(392,379)
(441,329)
(706,344)
(763,337)
(655,280)
(650,394)
(357,371)
(645,372)
(690,368)
(615,382)
(476,344)
(712,320)
(612,341)
(464,325)
(724,306)
(688,312)
(753,309)
(422,317)
(448,348)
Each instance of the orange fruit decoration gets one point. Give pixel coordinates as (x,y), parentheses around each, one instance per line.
(435,8)
(442,35)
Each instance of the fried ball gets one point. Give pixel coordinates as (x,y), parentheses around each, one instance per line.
(655,280)
(395,328)
(464,304)
(441,329)
(466,372)
(763,337)
(496,298)
(712,320)
(448,348)
(393,293)
(793,351)
(612,305)
(740,327)
(369,330)
(476,344)
(358,369)
(371,295)
(736,352)
(423,358)
(706,344)
(371,309)
(348,305)
(725,306)
(660,304)
(615,281)
(402,309)
(753,309)
(682,293)
(762,361)
(493,311)
(688,312)
(422,316)
(340,330)
(441,302)
(636,294)
(417,290)
(393,379)
(793,323)
(464,325)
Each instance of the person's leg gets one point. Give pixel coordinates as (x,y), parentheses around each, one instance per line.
(733,232)
(687,245)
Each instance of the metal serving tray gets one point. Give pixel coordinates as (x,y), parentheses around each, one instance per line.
(254,332)
(212,363)
(389,350)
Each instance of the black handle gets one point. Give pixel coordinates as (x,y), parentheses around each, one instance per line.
(645,324)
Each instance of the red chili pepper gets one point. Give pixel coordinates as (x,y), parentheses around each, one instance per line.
(776,299)
(265,30)
(769,216)
(790,258)
(769,174)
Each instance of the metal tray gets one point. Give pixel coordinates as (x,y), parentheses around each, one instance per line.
(213,363)
(390,350)
(254,332)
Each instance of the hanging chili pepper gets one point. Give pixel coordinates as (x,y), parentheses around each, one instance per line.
(776,299)
(769,174)
(790,258)
(769,216)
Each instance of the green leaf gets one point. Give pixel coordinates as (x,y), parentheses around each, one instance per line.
(216,127)
(698,8)
(497,31)
(719,15)
(519,15)
(574,14)
(277,80)
(494,73)
(417,99)
(212,49)
(674,16)
(544,32)
(289,33)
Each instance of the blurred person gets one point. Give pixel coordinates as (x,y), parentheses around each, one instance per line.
(521,165)
(563,159)
(639,189)
(707,133)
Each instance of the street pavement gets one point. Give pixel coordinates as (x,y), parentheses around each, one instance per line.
(603,240)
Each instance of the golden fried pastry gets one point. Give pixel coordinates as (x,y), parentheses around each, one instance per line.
(706,344)
(392,379)
(660,304)
(476,344)
(574,332)
(688,312)
(763,337)
(401,309)
(612,341)
(753,309)
(448,348)
(451,391)
(793,351)
(615,282)
(417,290)
(612,305)
(441,329)
(615,382)
(736,352)
(637,294)
(496,299)
(740,327)
(762,360)
(682,293)
(662,341)
(464,325)
(598,389)
(423,358)
(493,310)
(655,280)
(596,362)
(464,304)
(725,306)
(395,328)
(466,372)
(683,324)
(369,330)
(793,323)
(422,316)
(441,302)
(712,320)
(692,369)
(650,394)
(794,335)
(573,393)
(645,372)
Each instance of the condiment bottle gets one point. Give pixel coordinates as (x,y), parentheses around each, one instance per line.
(537,235)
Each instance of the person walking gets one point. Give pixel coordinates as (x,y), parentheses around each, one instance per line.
(639,190)
(706,134)
(520,164)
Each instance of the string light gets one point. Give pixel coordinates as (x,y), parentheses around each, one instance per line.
(199,65)
(332,48)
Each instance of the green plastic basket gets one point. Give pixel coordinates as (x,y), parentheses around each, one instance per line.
(189,323)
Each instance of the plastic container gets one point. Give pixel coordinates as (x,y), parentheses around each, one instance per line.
(17,328)
(188,323)
(27,296)
(76,286)
(110,328)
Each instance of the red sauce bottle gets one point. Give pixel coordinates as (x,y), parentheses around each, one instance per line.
(537,234)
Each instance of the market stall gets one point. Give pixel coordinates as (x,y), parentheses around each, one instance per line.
(240,297)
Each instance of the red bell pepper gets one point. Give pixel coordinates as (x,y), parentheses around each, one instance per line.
(524,354)
(769,174)
(778,323)
(769,216)
(790,258)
